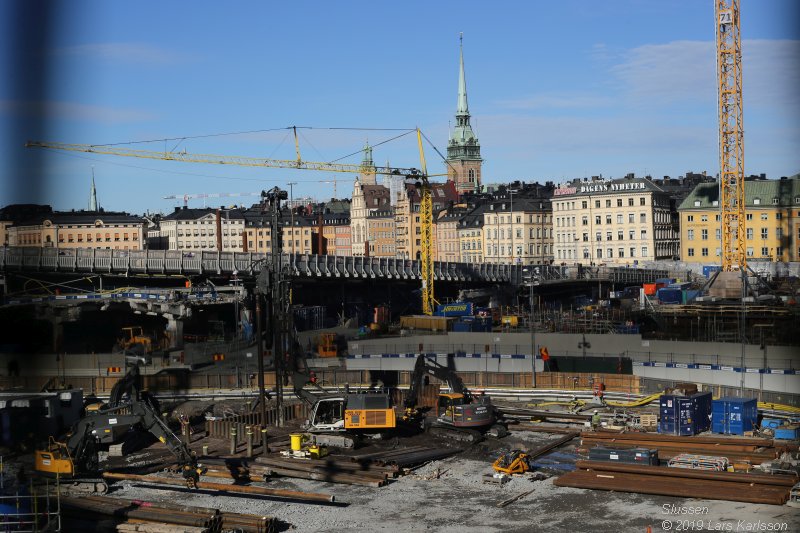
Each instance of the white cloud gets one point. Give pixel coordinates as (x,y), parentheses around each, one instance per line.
(75,111)
(685,71)
(123,52)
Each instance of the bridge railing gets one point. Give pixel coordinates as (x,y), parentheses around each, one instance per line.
(248,263)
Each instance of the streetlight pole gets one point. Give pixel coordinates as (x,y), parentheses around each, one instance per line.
(511,194)
(531,282)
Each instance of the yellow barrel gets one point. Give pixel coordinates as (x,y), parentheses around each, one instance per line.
(296,441)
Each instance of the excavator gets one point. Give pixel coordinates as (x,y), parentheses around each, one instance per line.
(348,413)
(459,414)
(76,458)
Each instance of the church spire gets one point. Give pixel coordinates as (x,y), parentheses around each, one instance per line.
(93,195)
(463,107)
(463,149)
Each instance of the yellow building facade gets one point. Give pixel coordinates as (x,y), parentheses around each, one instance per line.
(772,222)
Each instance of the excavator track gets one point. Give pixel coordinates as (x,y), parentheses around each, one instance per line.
(461,435)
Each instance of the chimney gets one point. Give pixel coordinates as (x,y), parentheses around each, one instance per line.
(177,209)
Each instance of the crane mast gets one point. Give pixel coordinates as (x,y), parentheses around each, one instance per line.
(731,135)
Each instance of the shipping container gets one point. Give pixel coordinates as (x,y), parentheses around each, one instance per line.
(787,433)
(650,289)
(690,296)
(510,320)
(708,270)
(429,323)
(684,415)
(454,309)
(682,285)
(637,456)
(669,296)
(734,416)
(665,281)
(771,423)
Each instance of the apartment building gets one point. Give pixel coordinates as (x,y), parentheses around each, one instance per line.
(447,240)
(336,234)
(616,222)
(407,216)
(204,229)
(381,233)
(79,229)
(518,230)
(772,221)
(470,235)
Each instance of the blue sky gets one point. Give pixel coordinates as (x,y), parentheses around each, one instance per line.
(557,90)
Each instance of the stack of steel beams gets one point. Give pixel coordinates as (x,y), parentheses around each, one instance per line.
(738,487)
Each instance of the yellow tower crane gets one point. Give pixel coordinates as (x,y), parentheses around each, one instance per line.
(731,134)
(412,175)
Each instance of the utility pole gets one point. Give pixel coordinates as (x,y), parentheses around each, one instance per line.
(291,185)
(530,277)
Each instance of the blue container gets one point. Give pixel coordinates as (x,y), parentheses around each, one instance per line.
(787,433)
(666,295)
(454,309)
(665,281)
(690,295)
(771,422)
(682,285)
(734,416)
(684,415)
(708,270)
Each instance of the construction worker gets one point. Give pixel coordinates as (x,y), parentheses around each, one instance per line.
(595,420)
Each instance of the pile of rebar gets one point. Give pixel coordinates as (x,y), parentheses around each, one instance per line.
(149,517)
(752,450)
(680,482)
(405,457)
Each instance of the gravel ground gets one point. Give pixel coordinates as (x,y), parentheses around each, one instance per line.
(459,501)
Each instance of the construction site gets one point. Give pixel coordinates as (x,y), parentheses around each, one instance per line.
(207,391)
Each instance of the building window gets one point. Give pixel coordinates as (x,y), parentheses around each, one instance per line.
(585,220)
(749,233)
(764,233)
(619,202)
(778,233)
(764,251)
(608,219)
(704,252)
(719,252)
(619,219)
(690,251)
(690,218)
(704,234)
(643,218)
(718,233)
(584,204)
(749,252)
(642,201)
(598,236)
(644,251)
(599,253)
(774,201)
(764,216)
(697,203)
(619,235)
(690,235)
(610,253)
(631,234)
(608,236)
(630,202)
(748,216)
(597,204)
(621,252)
(608,203)
(704,218)
(756,201)
(597,220)
(633,252)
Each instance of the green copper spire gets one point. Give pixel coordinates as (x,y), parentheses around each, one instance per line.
(462,142)
(463,107)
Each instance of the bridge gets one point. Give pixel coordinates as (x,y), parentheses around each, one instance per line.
(248,264)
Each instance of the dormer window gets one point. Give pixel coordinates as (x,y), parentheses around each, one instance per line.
(756,201)
(697,203)
(774,201)
(715,203)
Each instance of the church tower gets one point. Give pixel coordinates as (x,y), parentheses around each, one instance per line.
(93,195)
(463,150)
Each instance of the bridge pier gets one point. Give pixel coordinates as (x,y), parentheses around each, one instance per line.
(174,331)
